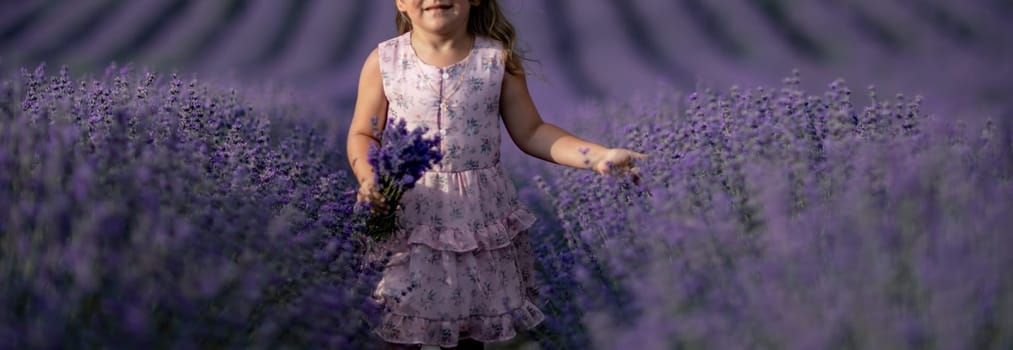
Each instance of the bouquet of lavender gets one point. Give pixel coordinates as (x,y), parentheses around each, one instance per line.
(398,163)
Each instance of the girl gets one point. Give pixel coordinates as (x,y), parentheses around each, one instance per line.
(461,269)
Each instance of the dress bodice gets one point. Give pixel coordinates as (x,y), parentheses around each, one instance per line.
(459,102)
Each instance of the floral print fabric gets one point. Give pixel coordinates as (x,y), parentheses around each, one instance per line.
(462,265)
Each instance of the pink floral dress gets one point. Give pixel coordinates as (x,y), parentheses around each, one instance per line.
(462,265)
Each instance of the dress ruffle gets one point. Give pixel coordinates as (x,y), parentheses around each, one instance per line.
(447,333)
(483,294)
(496,234)
(462,211)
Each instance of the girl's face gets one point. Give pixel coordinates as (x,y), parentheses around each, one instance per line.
(439,16)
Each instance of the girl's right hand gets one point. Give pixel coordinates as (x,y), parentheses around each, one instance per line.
(618,161)
(369,193)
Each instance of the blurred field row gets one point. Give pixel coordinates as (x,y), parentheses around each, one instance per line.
(957,52)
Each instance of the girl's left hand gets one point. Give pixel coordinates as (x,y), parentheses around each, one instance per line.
(618,161)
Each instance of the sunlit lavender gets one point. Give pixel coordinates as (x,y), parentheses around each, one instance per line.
(200,197)
(144,210)
(785,219)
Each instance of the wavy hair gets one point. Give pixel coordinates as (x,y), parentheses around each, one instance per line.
(486,19)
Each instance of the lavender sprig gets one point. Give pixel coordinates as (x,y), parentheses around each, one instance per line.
(398,164)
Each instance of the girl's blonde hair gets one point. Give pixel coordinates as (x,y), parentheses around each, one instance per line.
(486,19)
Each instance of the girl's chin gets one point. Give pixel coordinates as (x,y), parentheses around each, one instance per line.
(441,18)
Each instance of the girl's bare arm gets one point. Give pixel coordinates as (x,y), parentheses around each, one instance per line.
(549,142)
(370,102)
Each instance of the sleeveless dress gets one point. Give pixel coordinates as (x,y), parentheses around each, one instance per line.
(462,264)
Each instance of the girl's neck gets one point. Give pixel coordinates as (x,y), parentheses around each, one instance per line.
(440,44)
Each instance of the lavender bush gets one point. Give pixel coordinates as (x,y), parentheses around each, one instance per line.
(140,212)
(772,218)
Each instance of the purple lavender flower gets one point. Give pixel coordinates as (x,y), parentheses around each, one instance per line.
(780,219)
(399,163)
(136,213)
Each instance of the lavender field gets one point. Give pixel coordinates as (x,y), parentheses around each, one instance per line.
(822,174)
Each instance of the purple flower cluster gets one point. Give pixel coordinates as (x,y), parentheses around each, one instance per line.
(139,210)
(144,211)
(404,155)
(777,218)
(398,163)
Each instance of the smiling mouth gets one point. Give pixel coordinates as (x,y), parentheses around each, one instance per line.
(439,7)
